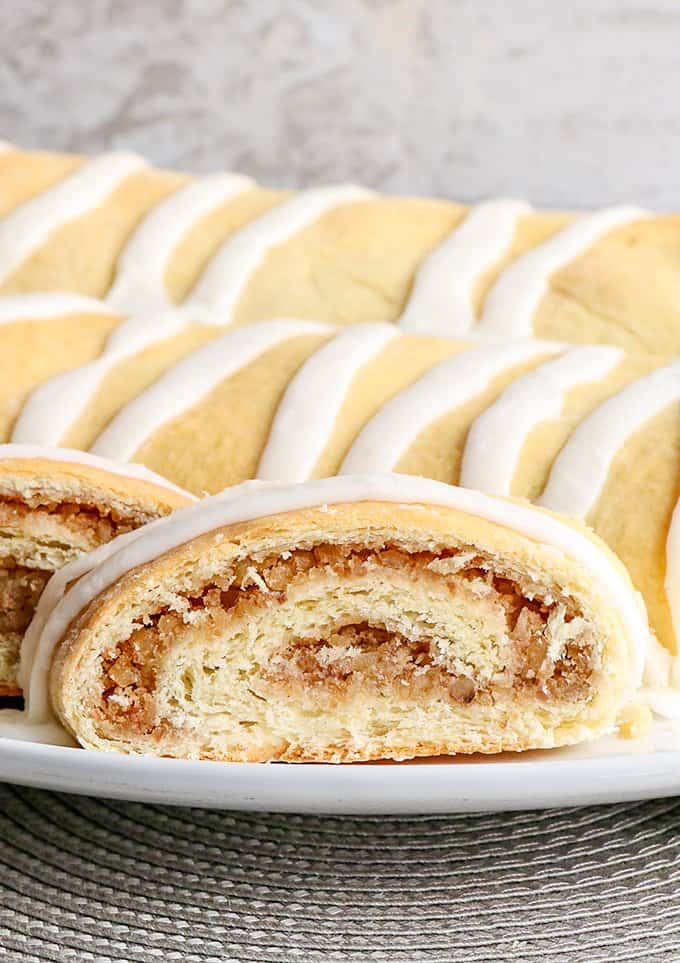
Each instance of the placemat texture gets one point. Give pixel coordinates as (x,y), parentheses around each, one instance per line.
(96,880)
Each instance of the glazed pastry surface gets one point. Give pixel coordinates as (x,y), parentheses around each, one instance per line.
(222,250)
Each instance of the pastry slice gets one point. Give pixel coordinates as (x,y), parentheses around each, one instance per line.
(54,505)
(342,620)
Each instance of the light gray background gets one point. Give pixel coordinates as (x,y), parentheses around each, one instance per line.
(566,102)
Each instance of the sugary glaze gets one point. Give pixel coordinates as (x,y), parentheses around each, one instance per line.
(579,551)
(448,386)
(25,229)
(48,305)
(510,304)
(139,285)
(443,297)
(580,471)
(310,407)
(56,406)
(530,400)
(191,380)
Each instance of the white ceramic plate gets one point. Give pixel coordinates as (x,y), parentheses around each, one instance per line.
(611,770)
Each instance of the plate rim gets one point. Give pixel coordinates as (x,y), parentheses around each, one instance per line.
(375,788)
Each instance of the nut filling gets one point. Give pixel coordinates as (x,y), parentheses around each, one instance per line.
(538,641)
(20,589)
(92,523)
(52,531)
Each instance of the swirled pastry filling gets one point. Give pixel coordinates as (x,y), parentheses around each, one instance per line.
(35,540)
(338,625)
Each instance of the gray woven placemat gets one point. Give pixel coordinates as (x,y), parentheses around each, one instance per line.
(86,879)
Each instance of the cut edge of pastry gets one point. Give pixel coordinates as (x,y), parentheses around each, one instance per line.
(56,504)
(314,623)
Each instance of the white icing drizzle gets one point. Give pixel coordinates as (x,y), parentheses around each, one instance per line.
(47,305)
(139,285)
(579,472)
(494,443)
(672,579)
(661,681)
(442,299)
(192,379)
(661,690)
(225,277)
(256,500)
(56,404)
(76,457)
(313,399)
(446,386)
(30,224)
(510,304)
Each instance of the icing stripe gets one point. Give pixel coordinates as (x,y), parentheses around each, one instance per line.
(494,443)
(225,277)
(29,226)
(56,404)
(140,276)
(510,304)
(672,578)
(185,384)
(43,306)
(253,500)
(442,299)
(313,399)
(449,384)
(580,471)
(74,456)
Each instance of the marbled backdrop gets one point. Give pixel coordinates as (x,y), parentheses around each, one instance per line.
(572,103)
